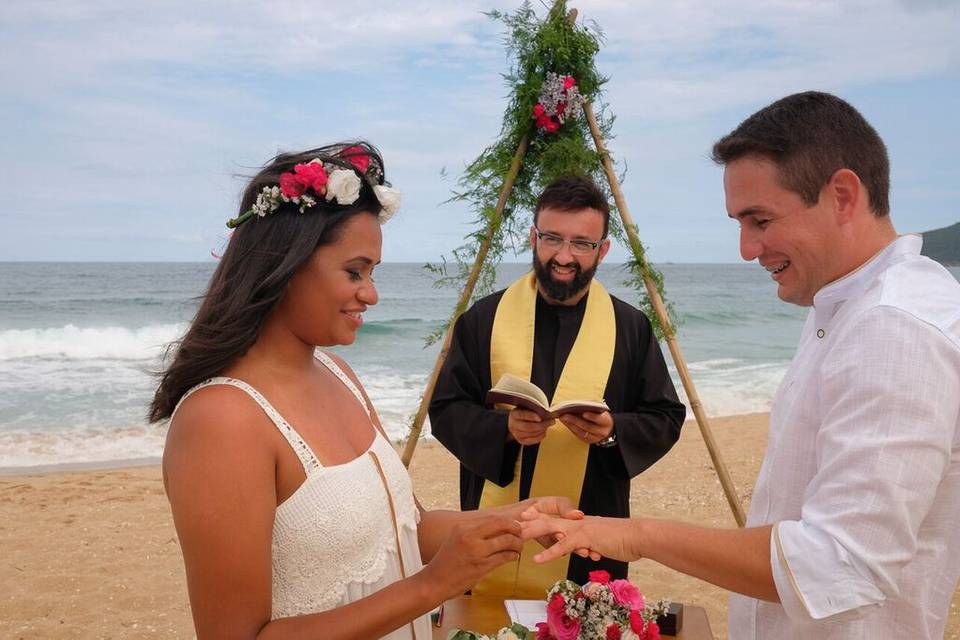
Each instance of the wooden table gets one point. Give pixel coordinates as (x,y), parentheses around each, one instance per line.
(486,614)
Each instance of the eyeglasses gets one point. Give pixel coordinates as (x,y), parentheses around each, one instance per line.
(577,247)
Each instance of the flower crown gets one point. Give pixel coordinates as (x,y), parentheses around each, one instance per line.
(330,180)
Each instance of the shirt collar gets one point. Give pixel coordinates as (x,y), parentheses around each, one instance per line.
(829,298)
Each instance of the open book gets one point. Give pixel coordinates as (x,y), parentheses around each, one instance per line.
(520,393)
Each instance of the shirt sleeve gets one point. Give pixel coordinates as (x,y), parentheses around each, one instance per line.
(459,417)
(649,424)
(890,392)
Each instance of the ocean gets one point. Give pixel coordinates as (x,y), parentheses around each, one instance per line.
(78,343)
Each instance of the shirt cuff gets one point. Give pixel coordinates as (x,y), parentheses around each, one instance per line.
(816,577)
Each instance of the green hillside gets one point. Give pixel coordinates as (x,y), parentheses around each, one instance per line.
(943,245)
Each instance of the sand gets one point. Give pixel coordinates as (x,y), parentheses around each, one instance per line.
(93,554)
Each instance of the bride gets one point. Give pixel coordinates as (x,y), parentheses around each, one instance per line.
(295,516)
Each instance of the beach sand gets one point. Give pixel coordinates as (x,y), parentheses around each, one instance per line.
(93,554)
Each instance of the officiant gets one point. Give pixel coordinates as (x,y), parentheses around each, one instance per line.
(558,328)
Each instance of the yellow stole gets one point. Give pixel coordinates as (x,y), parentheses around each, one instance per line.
(562,457)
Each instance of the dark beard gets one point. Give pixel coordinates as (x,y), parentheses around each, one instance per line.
(562,291)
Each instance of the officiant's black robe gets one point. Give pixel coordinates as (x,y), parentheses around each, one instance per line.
(643,402)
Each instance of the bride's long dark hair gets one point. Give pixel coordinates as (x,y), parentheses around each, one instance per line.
(261,257)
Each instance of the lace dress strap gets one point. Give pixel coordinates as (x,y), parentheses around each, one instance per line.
(344,378)
(300,447)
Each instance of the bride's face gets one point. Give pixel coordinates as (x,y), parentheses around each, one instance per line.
(325,300)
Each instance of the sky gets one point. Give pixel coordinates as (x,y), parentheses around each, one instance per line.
(128,127)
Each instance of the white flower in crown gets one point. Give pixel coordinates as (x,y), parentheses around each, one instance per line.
(389,199)
(344,185)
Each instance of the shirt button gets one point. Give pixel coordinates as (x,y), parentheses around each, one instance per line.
(820,333)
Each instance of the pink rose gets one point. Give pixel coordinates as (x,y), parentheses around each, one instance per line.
(627,595)
(311,175)
(613,632)
(601,576)
(357,157)
(543,631)
(290,186)
(538,110)
(561,626)
(568,82)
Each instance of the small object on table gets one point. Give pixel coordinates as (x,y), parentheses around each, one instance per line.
(672,623)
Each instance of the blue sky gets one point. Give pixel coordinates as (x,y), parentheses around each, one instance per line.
(127,124)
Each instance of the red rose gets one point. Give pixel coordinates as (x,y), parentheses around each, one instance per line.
(358,157)
(601,576)
(552,127)
(290,186)
(543,121)
(561,107)
(613,632)
(568,82)
(543,631)
(312,176)
(636,622)
(538,110)
(653,631)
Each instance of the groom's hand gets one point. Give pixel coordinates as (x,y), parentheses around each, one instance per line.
(554,506)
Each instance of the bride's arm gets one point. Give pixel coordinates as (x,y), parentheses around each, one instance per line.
(219,468)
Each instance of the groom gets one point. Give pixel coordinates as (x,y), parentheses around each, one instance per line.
(852,531)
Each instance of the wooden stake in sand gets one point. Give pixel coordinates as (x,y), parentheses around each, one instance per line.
(668,331)
(492,227)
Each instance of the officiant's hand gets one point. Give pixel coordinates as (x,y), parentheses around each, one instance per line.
(589,427)
(592,537)
(526,427)
(471,550)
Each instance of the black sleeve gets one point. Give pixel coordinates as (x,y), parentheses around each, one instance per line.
(648,421)
(459,417)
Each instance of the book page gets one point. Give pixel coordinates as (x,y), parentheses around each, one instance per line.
(527,612)
(513,384)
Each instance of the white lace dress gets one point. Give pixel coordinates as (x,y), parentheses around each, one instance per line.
(348,531)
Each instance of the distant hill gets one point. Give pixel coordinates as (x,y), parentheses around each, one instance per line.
(943,245)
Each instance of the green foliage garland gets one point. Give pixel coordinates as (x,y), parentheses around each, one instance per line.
(535,47)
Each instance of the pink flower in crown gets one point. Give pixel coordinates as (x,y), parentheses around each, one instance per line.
(613,632)
(568,82)
(358,157)
(312,176)
(290,186)
(600,576)
(627,595)
(562,626)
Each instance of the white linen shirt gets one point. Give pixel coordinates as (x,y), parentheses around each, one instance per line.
(861,477)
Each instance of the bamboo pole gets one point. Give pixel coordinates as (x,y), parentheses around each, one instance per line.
(492,226)
(718,464)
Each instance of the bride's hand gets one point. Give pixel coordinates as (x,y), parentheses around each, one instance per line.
(472,550)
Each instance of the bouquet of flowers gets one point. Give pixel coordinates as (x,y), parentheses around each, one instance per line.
(602,609)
